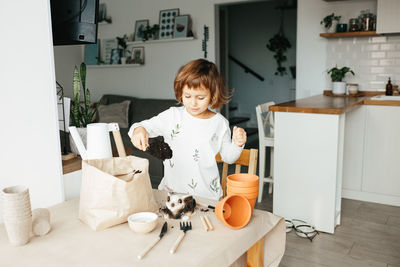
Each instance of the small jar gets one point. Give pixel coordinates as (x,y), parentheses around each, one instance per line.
(352,89)
(367,22)
(353,25)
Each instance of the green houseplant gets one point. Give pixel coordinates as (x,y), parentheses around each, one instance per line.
(150,32)
(337,75)
(330,22)
(82,113)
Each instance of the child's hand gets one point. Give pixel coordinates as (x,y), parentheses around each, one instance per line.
(140,138)
(239,136)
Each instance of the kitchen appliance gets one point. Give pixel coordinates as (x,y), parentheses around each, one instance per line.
(98,141)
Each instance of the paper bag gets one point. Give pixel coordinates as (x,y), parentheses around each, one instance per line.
(114,188)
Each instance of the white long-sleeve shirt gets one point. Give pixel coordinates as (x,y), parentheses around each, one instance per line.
(195,143)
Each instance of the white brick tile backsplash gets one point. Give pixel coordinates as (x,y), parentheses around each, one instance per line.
(393,54)
(380,39)
(373,60)
(377,54)
(386,47)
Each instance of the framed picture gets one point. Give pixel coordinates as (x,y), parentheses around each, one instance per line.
(115,56)
(106,47)
(182,26)
(137,55)
(140,25)
(167,22)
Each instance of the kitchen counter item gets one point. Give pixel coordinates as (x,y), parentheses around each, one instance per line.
(352,89)
(143,222)
(341,27)
(40,221)
(118,245)
(353,25)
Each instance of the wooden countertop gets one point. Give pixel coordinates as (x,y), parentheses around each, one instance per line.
(323,104)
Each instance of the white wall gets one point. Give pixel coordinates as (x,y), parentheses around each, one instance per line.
(66,57)
(315,54)
(30,149)
(251,26)
(162,60)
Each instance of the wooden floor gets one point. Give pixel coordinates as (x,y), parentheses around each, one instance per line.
(369,235)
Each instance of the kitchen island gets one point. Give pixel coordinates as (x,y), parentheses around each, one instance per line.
(330,147)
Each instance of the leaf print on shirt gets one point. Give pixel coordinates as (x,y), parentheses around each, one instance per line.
(215,185)
(175,131)
(196,155)
(193,185)
(214,138)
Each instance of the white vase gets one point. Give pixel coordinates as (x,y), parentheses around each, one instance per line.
(82,133)
(332,28)
(339,88)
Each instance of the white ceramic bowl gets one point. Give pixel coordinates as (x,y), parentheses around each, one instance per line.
(143,222)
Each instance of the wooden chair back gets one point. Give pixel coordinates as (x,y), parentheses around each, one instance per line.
(247,158)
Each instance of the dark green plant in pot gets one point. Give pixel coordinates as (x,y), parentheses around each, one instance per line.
(338,74)
(279,44)
(327,21)
(150,32)
(81,113)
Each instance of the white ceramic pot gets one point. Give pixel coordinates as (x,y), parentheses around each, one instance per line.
(83,133)
(332,28)
(339,88)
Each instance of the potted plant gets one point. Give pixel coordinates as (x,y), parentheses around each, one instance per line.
(150,32)
(82,112)
(337,75)
(122,42)
(330,22)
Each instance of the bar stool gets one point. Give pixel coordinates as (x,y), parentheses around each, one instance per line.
(265,123)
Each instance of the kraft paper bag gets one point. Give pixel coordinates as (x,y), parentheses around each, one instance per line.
(112,189)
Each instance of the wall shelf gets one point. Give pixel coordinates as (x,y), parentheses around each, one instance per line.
(349,34)
(162,40)
(113,66)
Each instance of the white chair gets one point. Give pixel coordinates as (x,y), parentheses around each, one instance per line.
(265,122)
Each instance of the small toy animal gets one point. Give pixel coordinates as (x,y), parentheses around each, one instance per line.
(179,206)
(159,149)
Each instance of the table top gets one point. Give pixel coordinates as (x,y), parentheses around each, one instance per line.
(72,243)
(324,104)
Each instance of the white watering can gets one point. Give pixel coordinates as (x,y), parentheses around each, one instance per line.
(98,141)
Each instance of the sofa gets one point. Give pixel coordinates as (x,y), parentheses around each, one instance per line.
(140,109)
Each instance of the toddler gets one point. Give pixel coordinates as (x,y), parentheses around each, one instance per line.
(194,132)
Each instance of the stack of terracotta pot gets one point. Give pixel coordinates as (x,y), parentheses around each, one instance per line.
(245,185)
(236,208)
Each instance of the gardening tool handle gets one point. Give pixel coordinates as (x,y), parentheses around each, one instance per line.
(177,242)
(118,139)
(144,252)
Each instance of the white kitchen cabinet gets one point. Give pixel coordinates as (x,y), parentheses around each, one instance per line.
(382,152)
(387,17)
(354,149)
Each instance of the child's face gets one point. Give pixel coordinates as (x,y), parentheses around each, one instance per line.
(196,101)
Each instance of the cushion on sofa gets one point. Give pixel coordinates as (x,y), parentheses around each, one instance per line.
(116,112)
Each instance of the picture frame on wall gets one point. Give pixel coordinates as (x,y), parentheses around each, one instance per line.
(167,22)
(115,56)
(140,26)
(182,26)
(137,55)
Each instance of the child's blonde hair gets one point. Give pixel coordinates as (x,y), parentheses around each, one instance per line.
(201,73)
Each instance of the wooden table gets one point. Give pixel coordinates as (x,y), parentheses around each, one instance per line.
(72,243)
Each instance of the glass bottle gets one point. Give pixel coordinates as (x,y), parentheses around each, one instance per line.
(389,88)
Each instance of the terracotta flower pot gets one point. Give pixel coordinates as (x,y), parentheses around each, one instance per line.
(245,190)
(242,180)
(234,211)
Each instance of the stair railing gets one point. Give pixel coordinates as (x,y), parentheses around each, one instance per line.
(246,69)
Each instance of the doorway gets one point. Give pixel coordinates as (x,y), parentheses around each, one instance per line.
(248,66)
